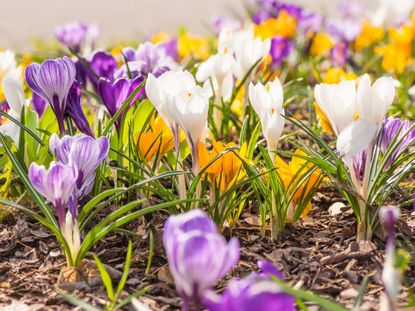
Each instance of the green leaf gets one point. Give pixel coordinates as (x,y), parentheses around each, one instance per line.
(105,277)
(136,294)
(95,200)
(124,277)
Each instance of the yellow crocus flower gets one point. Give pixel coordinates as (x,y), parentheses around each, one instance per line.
(283,26)
(394,59)
(291,173)
(159,139)
(227,169)
(369,35)
(337,74)
(322,43)
(396,55)
(189,45)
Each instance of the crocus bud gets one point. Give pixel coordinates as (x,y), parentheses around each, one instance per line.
(52,80)
(190,111)
(163,90)
(57,184)
(267,101)
(198,255)
(115,93)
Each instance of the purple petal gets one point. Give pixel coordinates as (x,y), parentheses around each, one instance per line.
(39,104)
(74,109)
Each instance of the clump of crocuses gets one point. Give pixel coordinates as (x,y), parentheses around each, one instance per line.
(198,255)
(68,180)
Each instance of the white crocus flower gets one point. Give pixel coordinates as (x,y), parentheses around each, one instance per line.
(373,101)
(16,100)
(267,101)
(338,102)
(217,73)
(190,111)
(248,51)
(161,92)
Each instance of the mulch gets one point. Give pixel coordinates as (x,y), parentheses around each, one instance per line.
(319,253)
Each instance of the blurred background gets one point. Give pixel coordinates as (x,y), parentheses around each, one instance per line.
(24,21)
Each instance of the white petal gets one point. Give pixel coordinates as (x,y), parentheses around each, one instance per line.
(14,94)
(152,90)
(356,137)
(364,97)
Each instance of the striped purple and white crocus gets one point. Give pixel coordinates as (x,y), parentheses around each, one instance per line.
(69,179)
(198,255)
(58,185)
(255,292)
(52,81)
(82,152)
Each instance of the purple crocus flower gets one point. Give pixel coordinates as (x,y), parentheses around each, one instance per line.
(198,255)
(170,47)
(148,58)
(255,292)
(338,54)
(75,35)
(395,127)
(129,54)
(103,65)
(114,94)
(82,152)
(280,50)
(57,184)
(74,109)
(52,81)
(345,30)
(310,22)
